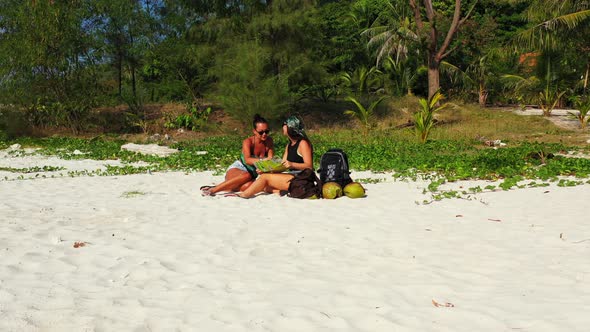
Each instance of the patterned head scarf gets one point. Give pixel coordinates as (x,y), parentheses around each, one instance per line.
(295,125)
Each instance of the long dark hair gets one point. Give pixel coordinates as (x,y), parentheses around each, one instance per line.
(258,119)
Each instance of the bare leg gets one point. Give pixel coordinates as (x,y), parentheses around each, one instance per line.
(234,179)
(245,186)
(268,182)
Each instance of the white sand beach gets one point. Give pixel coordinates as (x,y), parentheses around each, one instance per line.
(157,256)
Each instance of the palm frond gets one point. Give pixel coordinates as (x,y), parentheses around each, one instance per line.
(356,103)
(546,35)
(569,21)
(374,31)
(447,67)
(375,104)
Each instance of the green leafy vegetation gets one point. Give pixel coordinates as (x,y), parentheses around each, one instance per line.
(364,114)
(582,105)
(194,119)
(32,169)
(60,61)
(452,159)
(108,67)
(424,118)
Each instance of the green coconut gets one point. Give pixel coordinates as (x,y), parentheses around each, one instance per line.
(331,190)
(354,190)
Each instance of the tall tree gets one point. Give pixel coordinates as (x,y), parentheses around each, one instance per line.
(48,57)
(264,56)
(429,22)
(129,29)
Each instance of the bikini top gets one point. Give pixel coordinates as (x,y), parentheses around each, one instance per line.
(251,168)
(252,145)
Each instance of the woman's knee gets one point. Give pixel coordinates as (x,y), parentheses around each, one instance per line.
(266,177)
(245,185)
(238,174)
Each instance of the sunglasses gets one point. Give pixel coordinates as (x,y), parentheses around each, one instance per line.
(262,132)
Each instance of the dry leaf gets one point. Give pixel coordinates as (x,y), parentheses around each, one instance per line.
(459,216)
(79,244)
(446,304)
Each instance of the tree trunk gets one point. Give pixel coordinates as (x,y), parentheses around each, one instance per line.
(120,73)
(436,50)
(483,96)
(133,82)
(433,76)
(586,76)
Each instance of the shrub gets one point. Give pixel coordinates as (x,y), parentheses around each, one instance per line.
(71,114)
(362,113)
(195,119)
(12,123)
(424,118)
(247,86)
(582,104)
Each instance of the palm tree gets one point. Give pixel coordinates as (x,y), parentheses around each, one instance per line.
(362,80)
(424,118)
(553,24)
(402,74)
(419,22)
(552,20)
(478,75)
(582,104)
(362,113)
(392,39)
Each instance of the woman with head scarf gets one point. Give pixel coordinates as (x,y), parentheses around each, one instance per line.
(298,156)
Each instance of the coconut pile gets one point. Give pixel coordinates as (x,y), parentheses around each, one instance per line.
(333,190)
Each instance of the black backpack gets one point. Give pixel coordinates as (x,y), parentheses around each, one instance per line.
(334,167)
(305,184)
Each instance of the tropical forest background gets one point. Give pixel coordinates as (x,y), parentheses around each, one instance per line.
(101,65)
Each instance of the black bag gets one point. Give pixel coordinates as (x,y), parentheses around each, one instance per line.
(334,167)
(305,185)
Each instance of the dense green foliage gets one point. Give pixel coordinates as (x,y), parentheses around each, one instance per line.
(454,160)
(60,59)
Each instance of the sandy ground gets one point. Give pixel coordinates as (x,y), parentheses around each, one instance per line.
(560,117)
(158,256)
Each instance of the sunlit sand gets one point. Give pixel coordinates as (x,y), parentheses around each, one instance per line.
(157,256)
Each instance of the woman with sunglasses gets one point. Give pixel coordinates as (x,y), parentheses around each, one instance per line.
(298,156)
(242,172)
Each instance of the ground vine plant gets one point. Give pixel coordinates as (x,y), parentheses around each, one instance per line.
(517,165)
